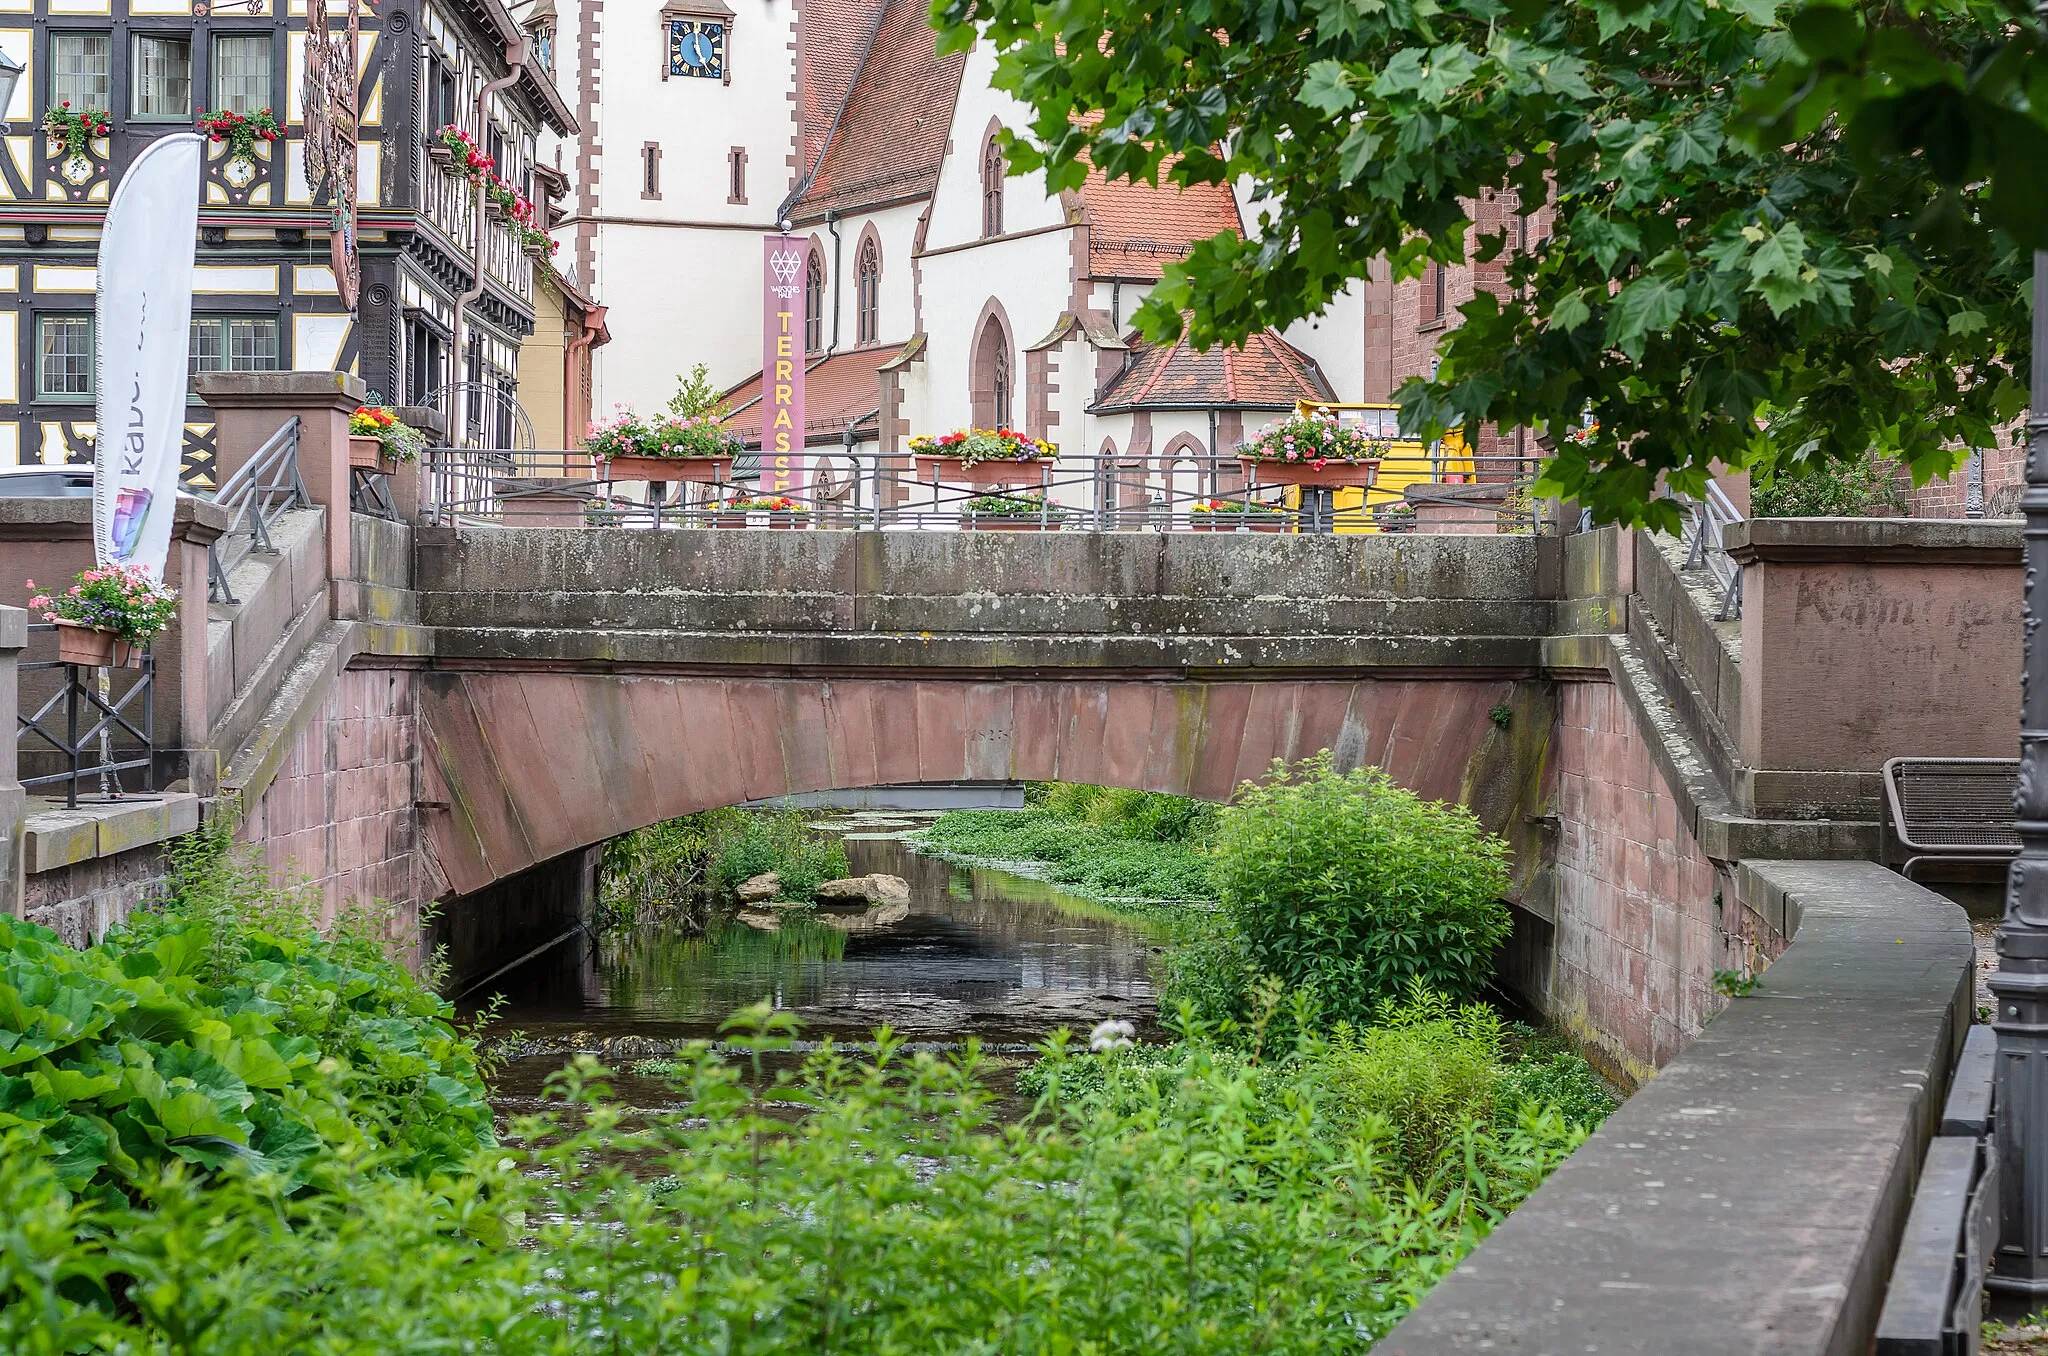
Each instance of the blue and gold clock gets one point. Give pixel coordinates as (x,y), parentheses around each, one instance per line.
(697,47)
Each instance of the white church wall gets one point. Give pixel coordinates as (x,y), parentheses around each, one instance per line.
(956,207)
(1027,275)
(895,233)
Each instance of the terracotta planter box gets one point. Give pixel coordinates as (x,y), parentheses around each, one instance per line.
(1213,522)
(368,453)
(728,520)
(789,520)
(95,648)
(983,474)
(983,522)
(1269,522)
(1336,475)
(692,470)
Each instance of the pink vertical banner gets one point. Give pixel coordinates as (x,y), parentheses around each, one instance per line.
(783,468)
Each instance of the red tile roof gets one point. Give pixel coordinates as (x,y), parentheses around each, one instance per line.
(833,35)
(1268,373)
(839,392)
(1135,229)
(891,136)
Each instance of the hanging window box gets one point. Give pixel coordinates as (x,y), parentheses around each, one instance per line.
(368,454)
(982,474)
(1322,475)
(983,458)
(688,470)
(94,647)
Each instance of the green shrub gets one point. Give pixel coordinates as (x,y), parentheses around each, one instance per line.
(1349,885)
(776,840)
(223,1030)
(1088,857)
(1424,1067)
(1867,488)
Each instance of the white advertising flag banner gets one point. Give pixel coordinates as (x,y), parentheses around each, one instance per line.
(143,335)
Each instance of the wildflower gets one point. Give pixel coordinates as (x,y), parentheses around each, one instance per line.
(1114,1034)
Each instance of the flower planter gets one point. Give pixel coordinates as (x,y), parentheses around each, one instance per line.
(1211,522)
(992,523)
(1268,522)
(95,648)
(789,520)
(983,474)
(728,520)
(538,253)
(1333,475)
(693,470)
(369,455)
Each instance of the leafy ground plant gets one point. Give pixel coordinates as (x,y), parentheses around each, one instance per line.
(1089,858)
(1228,1209)
(227,1030)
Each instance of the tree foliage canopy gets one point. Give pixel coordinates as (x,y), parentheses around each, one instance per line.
(1785,240)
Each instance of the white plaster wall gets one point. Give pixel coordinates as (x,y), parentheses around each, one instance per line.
(956,208)
(683,297)
(1029,276)
(1336,340)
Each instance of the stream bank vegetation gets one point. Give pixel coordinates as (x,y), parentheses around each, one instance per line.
(275,1140)
(682,871)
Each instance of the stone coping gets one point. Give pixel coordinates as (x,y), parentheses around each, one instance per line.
(281,390)
(1877,541)
(54,837)
(1751,1196)
(69,518)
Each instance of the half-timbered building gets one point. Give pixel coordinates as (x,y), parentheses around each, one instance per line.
(342,245)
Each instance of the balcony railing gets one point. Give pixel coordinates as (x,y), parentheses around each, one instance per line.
(82,728)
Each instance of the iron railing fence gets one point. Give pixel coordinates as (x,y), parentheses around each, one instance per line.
(865,490)
(261,491)
(1707,518)
(71,732)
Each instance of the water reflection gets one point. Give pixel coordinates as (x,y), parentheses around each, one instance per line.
(980,953)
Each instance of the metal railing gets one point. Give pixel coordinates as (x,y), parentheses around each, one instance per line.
(261,491)
(83,728)
(869,491)
(1709,515)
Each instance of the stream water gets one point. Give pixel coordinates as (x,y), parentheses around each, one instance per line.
(981,953)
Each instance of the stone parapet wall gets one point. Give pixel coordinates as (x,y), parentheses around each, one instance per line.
(1750,1198)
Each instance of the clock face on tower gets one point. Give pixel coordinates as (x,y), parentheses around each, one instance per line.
(697,47)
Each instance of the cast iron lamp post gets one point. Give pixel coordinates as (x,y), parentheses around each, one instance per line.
(2020,985)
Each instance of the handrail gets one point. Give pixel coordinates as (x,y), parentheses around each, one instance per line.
(1711,516)
(261,491)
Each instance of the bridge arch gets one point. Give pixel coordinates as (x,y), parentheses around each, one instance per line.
(521,767)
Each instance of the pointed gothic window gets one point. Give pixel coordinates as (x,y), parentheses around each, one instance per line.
(991,385)
(992,187)
(814,303)
(868,295)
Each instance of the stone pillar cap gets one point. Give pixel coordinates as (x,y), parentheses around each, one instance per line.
(281,390)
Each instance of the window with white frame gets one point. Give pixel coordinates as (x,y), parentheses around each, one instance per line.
(241,72)
(160,75)
(81,70)
(64,356)
(234,343)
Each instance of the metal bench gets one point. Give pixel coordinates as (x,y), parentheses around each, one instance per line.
(1949,810)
